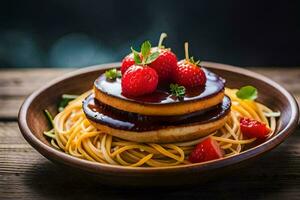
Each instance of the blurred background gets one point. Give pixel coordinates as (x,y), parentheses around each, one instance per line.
(78,33)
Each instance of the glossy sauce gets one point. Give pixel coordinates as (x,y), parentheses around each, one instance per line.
(213,86)
(118,119)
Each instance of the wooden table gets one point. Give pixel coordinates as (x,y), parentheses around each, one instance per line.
(25,174)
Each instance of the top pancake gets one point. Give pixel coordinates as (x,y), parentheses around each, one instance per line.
(161,102)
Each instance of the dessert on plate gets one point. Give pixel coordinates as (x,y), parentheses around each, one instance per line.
(157,111)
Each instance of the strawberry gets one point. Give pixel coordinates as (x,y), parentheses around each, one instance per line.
(206,150)
(252,128)
(139,80)
(164,61)
(188,72)
(164,64)
(127,62)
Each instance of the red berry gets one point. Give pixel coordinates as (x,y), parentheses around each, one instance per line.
(139,80)
(252,128)
(206,150)
(127,62)
(189,74)
(165,64)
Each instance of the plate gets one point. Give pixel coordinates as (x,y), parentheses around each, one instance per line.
(32,123)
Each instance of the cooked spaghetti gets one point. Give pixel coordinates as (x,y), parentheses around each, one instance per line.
(73,134)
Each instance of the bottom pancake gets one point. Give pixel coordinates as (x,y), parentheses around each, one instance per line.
(158,129)
(143,128)
(165,135)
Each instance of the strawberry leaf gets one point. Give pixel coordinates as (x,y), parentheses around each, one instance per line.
(192,60)
(152,57)
(136,56)
(247,92)
(146,48)
(177,90)
(147,56)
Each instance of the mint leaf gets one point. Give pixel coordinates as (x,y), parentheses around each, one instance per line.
(146,48)
(177,90)
(152,57)
(136,56)
(247,92)
(112,74)
(145,53)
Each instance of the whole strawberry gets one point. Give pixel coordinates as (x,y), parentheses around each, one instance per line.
(188,72)
(127,62)
(139,80)
(164,64)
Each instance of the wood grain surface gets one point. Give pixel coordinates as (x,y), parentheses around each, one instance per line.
(25,174)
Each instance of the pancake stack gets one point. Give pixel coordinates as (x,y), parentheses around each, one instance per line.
(158,117)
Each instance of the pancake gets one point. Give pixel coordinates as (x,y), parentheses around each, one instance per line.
(161,102)
(159,129)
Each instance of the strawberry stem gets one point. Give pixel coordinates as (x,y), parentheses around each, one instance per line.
(161,39)
(186,51)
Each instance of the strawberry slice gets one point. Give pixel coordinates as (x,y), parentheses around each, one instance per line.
(252,128)
(207,150)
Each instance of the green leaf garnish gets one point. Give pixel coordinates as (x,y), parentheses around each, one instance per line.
(136,56)
(147,55)
(247,92)
(152,57)
(112,74)
(177,90)
(65,99)
(145,49)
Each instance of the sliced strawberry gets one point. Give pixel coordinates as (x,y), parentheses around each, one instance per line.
(252,128)
(206,150)
(139,80)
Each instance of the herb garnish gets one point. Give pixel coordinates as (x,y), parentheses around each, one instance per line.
(177,90)
(147,56)
(112,74)
(247,92)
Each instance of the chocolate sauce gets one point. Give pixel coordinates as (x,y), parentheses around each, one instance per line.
(162,95)
(112,117)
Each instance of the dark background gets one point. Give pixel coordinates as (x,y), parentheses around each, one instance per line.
(77,33)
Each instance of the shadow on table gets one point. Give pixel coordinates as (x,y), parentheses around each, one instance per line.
(269,176)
